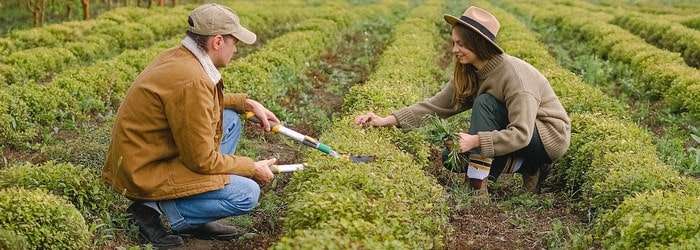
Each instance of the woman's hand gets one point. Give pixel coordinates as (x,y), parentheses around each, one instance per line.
(261,112)
(468,142)
(263,174)
(372,119)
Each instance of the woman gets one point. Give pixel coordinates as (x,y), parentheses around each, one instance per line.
(517,123)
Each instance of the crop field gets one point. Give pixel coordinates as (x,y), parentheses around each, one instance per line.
(627,72)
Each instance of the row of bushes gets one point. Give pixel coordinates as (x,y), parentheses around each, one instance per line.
(612,162)
(662,73)
(46,51)
(52,206)
(665,34)
(265,74)
(30,109)
(388,204)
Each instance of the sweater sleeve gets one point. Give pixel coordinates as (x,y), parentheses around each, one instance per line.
(192,117)
(522,113)
(440,104)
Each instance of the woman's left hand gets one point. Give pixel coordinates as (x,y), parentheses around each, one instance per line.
(468,142)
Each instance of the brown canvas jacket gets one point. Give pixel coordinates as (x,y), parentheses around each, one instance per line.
(166,138)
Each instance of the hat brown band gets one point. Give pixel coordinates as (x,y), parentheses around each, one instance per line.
(478,26)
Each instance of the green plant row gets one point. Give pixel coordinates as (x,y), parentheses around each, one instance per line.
(611,160)
(59,46)
(662,73)
(40,220)
(269,73)
(121,29)
(665,34)
(676,8)
(693,23)
(74,184)
(30,109)
(388,204)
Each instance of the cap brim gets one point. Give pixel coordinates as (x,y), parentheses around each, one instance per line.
(244,35)
(455,20)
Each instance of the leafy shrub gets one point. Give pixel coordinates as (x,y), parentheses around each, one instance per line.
(37,63)
(130,35)
(654,219)
(77,184)
(10,240)
(48,104)
(335,236)
(16,127)
(47,221)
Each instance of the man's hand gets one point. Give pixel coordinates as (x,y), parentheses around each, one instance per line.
(263,174)
(261,112)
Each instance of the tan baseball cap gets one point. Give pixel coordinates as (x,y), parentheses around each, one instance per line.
(213,19)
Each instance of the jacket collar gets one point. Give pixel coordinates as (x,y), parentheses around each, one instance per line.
(203,59)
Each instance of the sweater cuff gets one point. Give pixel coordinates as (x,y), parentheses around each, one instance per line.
(486,144)
(235,101)
(406,119)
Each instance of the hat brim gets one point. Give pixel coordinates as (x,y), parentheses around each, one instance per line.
(244,35)
(455,20)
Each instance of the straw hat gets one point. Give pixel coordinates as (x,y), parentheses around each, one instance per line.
(213,19)
(480,21)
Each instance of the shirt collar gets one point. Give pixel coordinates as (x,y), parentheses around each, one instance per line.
(203,59)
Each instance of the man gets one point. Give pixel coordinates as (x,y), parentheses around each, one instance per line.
(172,147)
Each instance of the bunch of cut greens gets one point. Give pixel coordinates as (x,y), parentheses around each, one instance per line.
(442,131)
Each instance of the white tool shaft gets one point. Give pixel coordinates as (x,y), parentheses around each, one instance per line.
(291,133)
(287,168)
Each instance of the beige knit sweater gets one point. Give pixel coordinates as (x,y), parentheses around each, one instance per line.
(528,97)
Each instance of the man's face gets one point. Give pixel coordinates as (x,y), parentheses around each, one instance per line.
(224,49)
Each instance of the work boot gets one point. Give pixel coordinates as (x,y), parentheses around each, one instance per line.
(151,227)
(479,187)
(213,231)
(533,181)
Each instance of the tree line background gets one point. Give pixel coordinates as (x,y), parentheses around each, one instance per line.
(23,14)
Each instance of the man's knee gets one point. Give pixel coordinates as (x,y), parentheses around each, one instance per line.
(248,193)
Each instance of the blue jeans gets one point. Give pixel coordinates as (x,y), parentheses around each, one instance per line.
(236,198)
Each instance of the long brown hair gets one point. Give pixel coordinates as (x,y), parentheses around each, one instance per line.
(466,82)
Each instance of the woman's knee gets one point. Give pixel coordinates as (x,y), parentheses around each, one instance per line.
(488,114)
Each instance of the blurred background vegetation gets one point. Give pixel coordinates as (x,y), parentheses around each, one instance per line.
(24,14)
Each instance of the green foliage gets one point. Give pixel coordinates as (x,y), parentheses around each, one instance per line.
(37,63)
(48,104)
(694,150)
(45,220)
(79,185)
(344,235)
(16,127)
(654,219)
(441,132)
(130,35)
(88,149)
(10,240)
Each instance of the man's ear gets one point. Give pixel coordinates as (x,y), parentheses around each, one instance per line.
(216,42)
